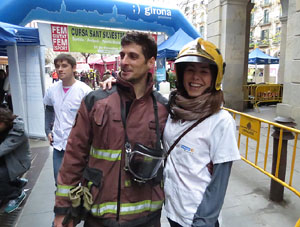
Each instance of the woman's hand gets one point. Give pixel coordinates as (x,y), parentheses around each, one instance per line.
(107,84)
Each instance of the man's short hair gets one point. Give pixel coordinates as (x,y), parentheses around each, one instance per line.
(7,117)
(65,57)
(146,41)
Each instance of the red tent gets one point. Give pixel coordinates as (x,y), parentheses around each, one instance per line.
(112,62)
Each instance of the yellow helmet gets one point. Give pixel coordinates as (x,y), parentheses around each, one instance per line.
(200,50)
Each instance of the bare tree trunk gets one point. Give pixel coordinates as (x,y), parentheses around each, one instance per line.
(104,62)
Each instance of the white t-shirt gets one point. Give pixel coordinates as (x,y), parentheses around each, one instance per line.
(186,175)
(65,107)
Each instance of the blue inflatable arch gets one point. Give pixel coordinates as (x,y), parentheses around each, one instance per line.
(99,13)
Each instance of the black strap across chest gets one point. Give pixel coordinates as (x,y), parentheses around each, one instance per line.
(157,130)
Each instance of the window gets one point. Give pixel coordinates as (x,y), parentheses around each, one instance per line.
(266,2)
(266,16)
(264,34)
(187,9)
(277,36)
(251,37)
(252,20)
(278,30)
(202,31)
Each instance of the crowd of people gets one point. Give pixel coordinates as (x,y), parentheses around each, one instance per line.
(92,77)
(122,151)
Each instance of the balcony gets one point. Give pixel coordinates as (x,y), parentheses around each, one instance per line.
(265,5)
(263,43)
(265,24)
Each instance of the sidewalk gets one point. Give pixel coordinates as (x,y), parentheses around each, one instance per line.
(246,203)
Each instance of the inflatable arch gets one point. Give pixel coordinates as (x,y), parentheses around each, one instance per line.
(27,62)
(104,13)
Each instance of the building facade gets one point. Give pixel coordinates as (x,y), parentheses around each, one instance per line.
(265,26)
(290,60)
(196,13)
(265,34)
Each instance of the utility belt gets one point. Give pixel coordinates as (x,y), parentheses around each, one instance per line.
(82,200)
(81,197)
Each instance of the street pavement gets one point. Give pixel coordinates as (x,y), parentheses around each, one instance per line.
(247,202)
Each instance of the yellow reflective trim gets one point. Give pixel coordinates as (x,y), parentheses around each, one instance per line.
(148,159)
(127,183)
(109,155)
(126,208)
(104,208)
(63,190)
(90,183)
(139,207)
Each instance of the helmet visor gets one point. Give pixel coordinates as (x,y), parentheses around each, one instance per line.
(144,166)
(194,58)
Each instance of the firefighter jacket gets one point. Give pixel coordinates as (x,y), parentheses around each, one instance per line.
(95,150)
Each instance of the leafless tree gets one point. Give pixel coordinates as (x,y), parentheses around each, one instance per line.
(86,56)
(104,62)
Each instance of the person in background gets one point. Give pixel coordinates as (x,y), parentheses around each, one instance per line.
(92,79)
(15,159)
(113,73)
(83,77)
(106,75)
(2,80)
(114,131)
(62,101)
(198,168)
(54,76)
(6,88)
(97,75)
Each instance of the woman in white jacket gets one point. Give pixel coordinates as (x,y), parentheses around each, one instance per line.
(198,167)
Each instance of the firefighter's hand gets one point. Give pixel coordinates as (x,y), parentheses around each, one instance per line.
(50,138)
(210,167)
(59,219)
(107,84)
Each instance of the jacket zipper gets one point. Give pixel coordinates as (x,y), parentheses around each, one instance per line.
(119,194)
(128,108)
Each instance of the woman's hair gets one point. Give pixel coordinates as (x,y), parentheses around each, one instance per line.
(7,117)
(216,99)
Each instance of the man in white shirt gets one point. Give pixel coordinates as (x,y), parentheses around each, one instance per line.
(62,100)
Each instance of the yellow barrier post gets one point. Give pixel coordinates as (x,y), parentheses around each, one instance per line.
(298,223)
(280,141)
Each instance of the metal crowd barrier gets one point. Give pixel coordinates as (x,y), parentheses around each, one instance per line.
(255,154)
(298,223)
(258,93)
